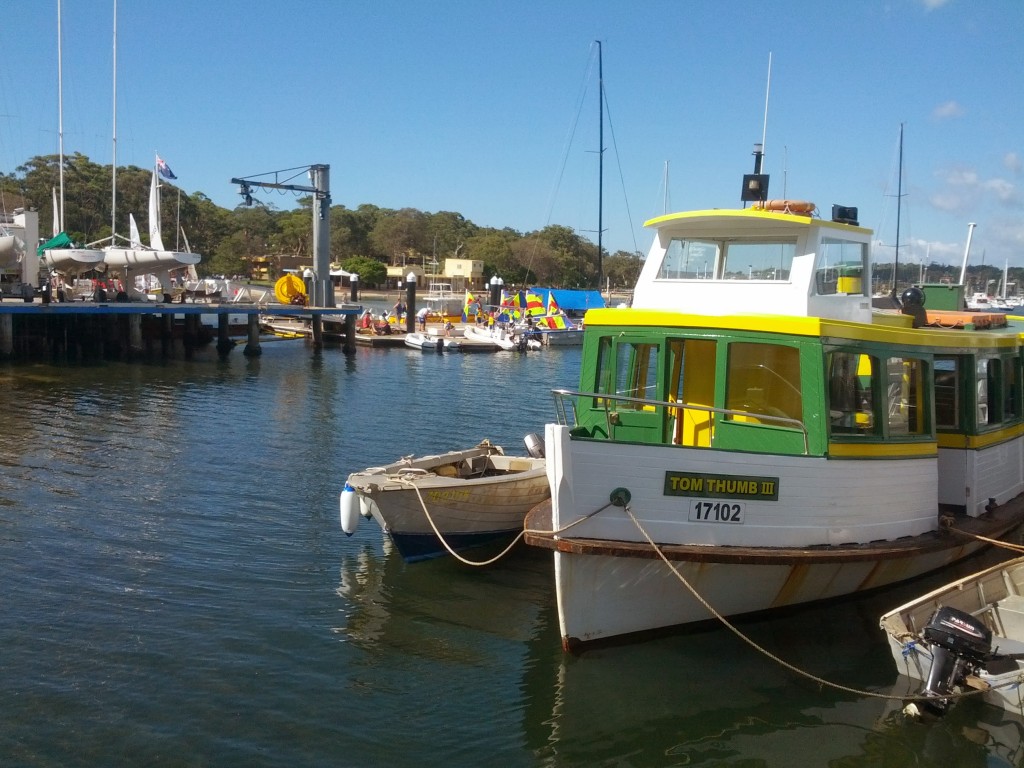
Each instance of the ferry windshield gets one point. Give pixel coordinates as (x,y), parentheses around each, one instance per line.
(727,260)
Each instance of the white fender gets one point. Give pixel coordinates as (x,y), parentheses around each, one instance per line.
(348,503)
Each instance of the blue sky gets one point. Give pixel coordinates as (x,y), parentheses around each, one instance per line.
(469,106)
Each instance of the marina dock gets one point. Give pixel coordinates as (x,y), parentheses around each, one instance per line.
(85,331)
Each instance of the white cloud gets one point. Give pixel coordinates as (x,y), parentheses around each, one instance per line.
(1004,190)
(1013,163)
(931,5)
(947,111)
(946,201)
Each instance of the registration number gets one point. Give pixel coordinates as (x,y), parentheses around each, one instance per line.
(703,511)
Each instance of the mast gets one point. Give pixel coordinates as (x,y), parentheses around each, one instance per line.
(113,165)
(899,206)
(60,111)
(600,164)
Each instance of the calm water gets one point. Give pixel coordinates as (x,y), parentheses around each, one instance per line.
(176,591)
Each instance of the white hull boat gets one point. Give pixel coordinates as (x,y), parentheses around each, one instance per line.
(11,250)
(71,261)
(562,337)
(430,343)
(964,637)
(498,337)
(756,435)
(453,501)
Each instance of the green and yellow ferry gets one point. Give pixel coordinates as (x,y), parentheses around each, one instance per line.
(753,433)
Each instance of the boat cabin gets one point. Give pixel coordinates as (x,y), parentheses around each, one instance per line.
(752,331)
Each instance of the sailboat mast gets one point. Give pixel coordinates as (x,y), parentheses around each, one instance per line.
(899,206)
(113,184)
(60,111)
(600,165)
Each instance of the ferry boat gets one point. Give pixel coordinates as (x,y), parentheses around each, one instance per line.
(753,433)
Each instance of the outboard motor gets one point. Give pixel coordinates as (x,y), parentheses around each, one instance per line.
(534,445)
(960,644)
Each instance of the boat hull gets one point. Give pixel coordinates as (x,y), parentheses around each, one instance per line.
(71,261)
(611,581)
(570,337)
(410,500)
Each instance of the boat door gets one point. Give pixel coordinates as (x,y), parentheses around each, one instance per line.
(628,371)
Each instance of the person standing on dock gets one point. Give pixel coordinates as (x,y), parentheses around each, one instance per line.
(421,316)
(399,310)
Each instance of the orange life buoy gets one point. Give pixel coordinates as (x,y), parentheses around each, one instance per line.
(798,207)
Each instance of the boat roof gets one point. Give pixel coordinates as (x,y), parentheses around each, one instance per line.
(763,260)
(751,218)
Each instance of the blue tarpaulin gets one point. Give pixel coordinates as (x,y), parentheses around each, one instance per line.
(572,300)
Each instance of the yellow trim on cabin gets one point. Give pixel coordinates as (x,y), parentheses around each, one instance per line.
(753,213)
(975,442)
(921,450)
(881,332)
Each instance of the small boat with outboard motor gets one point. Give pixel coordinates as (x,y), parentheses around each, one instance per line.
(966,637)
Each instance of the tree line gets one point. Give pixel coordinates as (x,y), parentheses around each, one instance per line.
(364,240)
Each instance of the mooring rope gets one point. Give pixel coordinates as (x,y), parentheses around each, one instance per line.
(433,526)
(496,558)
(987,540)
(782,662)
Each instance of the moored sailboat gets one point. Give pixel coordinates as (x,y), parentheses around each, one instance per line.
(757,436)
(60,254)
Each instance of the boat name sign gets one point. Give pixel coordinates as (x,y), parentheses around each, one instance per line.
(707,486)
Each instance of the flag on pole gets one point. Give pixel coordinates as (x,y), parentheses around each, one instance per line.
(164,168)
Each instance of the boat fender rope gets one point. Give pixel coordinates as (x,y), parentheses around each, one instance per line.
(768,654)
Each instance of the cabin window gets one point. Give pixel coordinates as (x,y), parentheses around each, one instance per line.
(605,372)
(851,394)
(636,373)
(627,369)
(689,260)
(1011,389)
(763,381)
(988,392)
(906,409)
(758,261)
(947,392)
(841,267)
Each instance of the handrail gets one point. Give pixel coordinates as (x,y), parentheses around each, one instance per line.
(561,394)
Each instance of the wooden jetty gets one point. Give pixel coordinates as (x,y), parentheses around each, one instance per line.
(83,331)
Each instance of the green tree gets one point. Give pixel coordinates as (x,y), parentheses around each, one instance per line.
(401,232)
(372,272)
(622,269)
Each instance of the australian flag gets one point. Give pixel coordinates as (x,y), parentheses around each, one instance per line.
(164,168)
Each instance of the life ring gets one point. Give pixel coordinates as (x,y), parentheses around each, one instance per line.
(798,207)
